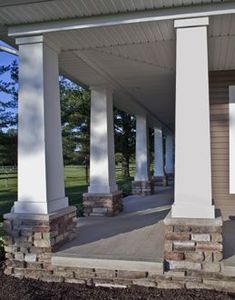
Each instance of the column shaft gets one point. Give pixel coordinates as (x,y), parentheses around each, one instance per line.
(102,160)
(40,159)
(193,197)
(142,151)
(169,165)
(158,153)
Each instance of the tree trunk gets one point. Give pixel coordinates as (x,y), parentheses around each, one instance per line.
(87,169)
(125,166)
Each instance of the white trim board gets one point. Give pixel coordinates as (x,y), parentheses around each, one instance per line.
(124,18)
(232,139)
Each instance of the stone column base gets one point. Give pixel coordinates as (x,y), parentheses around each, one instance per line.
(158,181)
(102,204)
(170,178)
(30,239)
(143,188)
(193,245)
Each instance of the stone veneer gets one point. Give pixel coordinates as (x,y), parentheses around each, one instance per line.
(143,188)
(109,204)
(158,181)
(170,177)
(30,240)
(193,251)
(193,244)
(126,278)
(193,255)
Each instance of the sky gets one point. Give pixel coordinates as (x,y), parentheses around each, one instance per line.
(5,60)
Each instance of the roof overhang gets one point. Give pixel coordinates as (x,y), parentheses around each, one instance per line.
(110,63)
(7,3)
(123,19)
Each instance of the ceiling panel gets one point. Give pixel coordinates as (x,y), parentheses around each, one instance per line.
(140,59)
(38,10)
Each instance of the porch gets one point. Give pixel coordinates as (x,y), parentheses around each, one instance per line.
(133,241)
(144,63)
(137,234)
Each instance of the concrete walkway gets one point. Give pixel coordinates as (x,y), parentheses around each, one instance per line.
(134,235)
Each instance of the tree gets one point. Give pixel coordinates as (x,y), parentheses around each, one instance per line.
(8,148)
(75,116)
(8,95)
(124,128)
(8,114)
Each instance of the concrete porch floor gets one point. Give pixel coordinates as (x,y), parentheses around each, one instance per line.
(132,240)
(136,235)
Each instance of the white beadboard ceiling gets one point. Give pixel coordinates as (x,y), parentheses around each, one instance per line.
(138,59)
(27,11)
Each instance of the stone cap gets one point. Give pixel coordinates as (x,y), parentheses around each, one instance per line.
(102,194)
(217,221)
(40,217)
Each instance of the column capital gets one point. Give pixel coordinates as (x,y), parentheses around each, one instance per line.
(193,22)
(157,130)
(157,127)
(38,39)
(101,87)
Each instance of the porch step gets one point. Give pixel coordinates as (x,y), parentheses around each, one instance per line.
(99,211)
(155,267)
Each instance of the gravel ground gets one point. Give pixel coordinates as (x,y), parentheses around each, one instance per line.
(24,289)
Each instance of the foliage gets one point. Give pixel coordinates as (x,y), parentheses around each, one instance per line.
(75,116)
(8,148)
(124,126)
(8,116)
(75,107)
(75,186)
(8,95)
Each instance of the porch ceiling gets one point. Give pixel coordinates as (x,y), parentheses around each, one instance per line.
(139,60)
(30,11)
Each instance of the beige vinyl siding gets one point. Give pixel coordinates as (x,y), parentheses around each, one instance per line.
(219,119)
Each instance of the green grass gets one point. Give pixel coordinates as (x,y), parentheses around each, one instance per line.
(75,186)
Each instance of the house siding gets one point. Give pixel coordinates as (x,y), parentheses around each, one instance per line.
(219,120)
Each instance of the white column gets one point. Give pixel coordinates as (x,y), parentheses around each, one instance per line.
(102,160)
(158,153)
(40,159)
(142,151)
(193,197)
(231,139)
(169,165)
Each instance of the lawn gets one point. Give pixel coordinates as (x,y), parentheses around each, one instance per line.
(75,186)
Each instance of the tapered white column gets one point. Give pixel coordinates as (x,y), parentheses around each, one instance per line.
(158,153)
(40,160)
(169,166)
(142,149)
(102,160)
(193,197)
